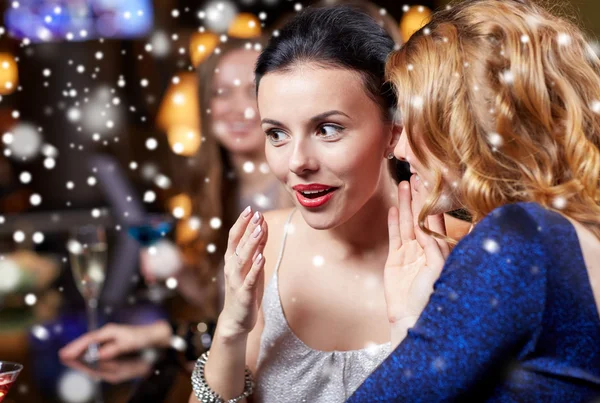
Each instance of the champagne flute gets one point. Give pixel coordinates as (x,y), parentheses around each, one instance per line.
(8,375)
(88,253)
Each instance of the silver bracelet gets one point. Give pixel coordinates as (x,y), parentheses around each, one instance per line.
(205,394)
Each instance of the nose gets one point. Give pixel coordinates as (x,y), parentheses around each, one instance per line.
(243,104)
(401,146)
(302,160)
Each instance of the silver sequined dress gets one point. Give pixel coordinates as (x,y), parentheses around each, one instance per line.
(290,371)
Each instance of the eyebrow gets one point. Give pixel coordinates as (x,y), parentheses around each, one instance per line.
(314,119)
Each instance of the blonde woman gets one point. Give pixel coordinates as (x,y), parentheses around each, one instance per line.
(500,104)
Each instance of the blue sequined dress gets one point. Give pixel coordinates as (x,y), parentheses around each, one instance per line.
(512,319)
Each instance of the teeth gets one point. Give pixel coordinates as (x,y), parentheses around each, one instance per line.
(312,192)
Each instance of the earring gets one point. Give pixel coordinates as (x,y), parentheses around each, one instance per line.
(390,156)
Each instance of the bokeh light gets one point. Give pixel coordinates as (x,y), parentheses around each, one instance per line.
(182,203)
(218,15)
(184,140)
(415,18)
(9,74)
(202,45)
(245,25)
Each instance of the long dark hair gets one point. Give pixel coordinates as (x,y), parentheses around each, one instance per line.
(212,186)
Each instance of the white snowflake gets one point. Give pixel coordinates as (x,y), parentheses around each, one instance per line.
(248,167)
(40,332)
(25,177)
(318,261)
(215,223)
(30,299)
(151,143)
(171,283)
(559,202)
(563,39)
(178,212)
(149,196)
(495,139)
(38,237)
(491,246)
(35,199)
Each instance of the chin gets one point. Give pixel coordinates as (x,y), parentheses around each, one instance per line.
(319,220)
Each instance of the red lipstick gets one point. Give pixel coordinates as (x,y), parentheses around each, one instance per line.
(314,195)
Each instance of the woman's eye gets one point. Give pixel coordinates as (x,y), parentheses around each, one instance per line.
(275,136)
(330,130)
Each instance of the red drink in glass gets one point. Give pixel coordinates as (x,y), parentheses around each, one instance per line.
(8,374)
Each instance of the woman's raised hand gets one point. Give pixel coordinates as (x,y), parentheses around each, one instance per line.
(244,264)
(414,262)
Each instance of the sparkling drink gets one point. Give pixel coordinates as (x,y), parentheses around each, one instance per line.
(89,267)
(88,252)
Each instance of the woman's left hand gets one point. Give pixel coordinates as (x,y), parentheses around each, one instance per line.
(414,262)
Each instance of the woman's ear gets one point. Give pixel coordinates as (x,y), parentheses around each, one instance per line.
(396,132)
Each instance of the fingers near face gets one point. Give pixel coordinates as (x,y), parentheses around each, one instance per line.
(405,211)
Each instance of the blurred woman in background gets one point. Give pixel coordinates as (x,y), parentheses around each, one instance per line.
(228,173)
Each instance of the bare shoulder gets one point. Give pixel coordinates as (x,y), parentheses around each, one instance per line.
(456,228)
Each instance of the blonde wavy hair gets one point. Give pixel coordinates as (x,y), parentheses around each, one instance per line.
(508,96)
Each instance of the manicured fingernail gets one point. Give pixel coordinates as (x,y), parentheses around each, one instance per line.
(256,217)
(258,258)
(247,211)
(257,231)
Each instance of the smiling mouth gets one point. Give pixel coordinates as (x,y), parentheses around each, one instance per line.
(315,194)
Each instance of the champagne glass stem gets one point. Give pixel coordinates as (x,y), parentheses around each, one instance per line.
(98,390)
(92,317)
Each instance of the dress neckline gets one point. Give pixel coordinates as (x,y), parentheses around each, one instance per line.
(275,284)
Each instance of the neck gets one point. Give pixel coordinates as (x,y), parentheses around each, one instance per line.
(366,233)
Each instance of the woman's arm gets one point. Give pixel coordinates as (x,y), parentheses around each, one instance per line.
(231,352)
(487,304)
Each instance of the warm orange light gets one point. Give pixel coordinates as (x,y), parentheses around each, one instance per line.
(179,106)
(245,26)
(9,74)
(180,205)
(184,140)
(187,230)
(414,19)
(202,45)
